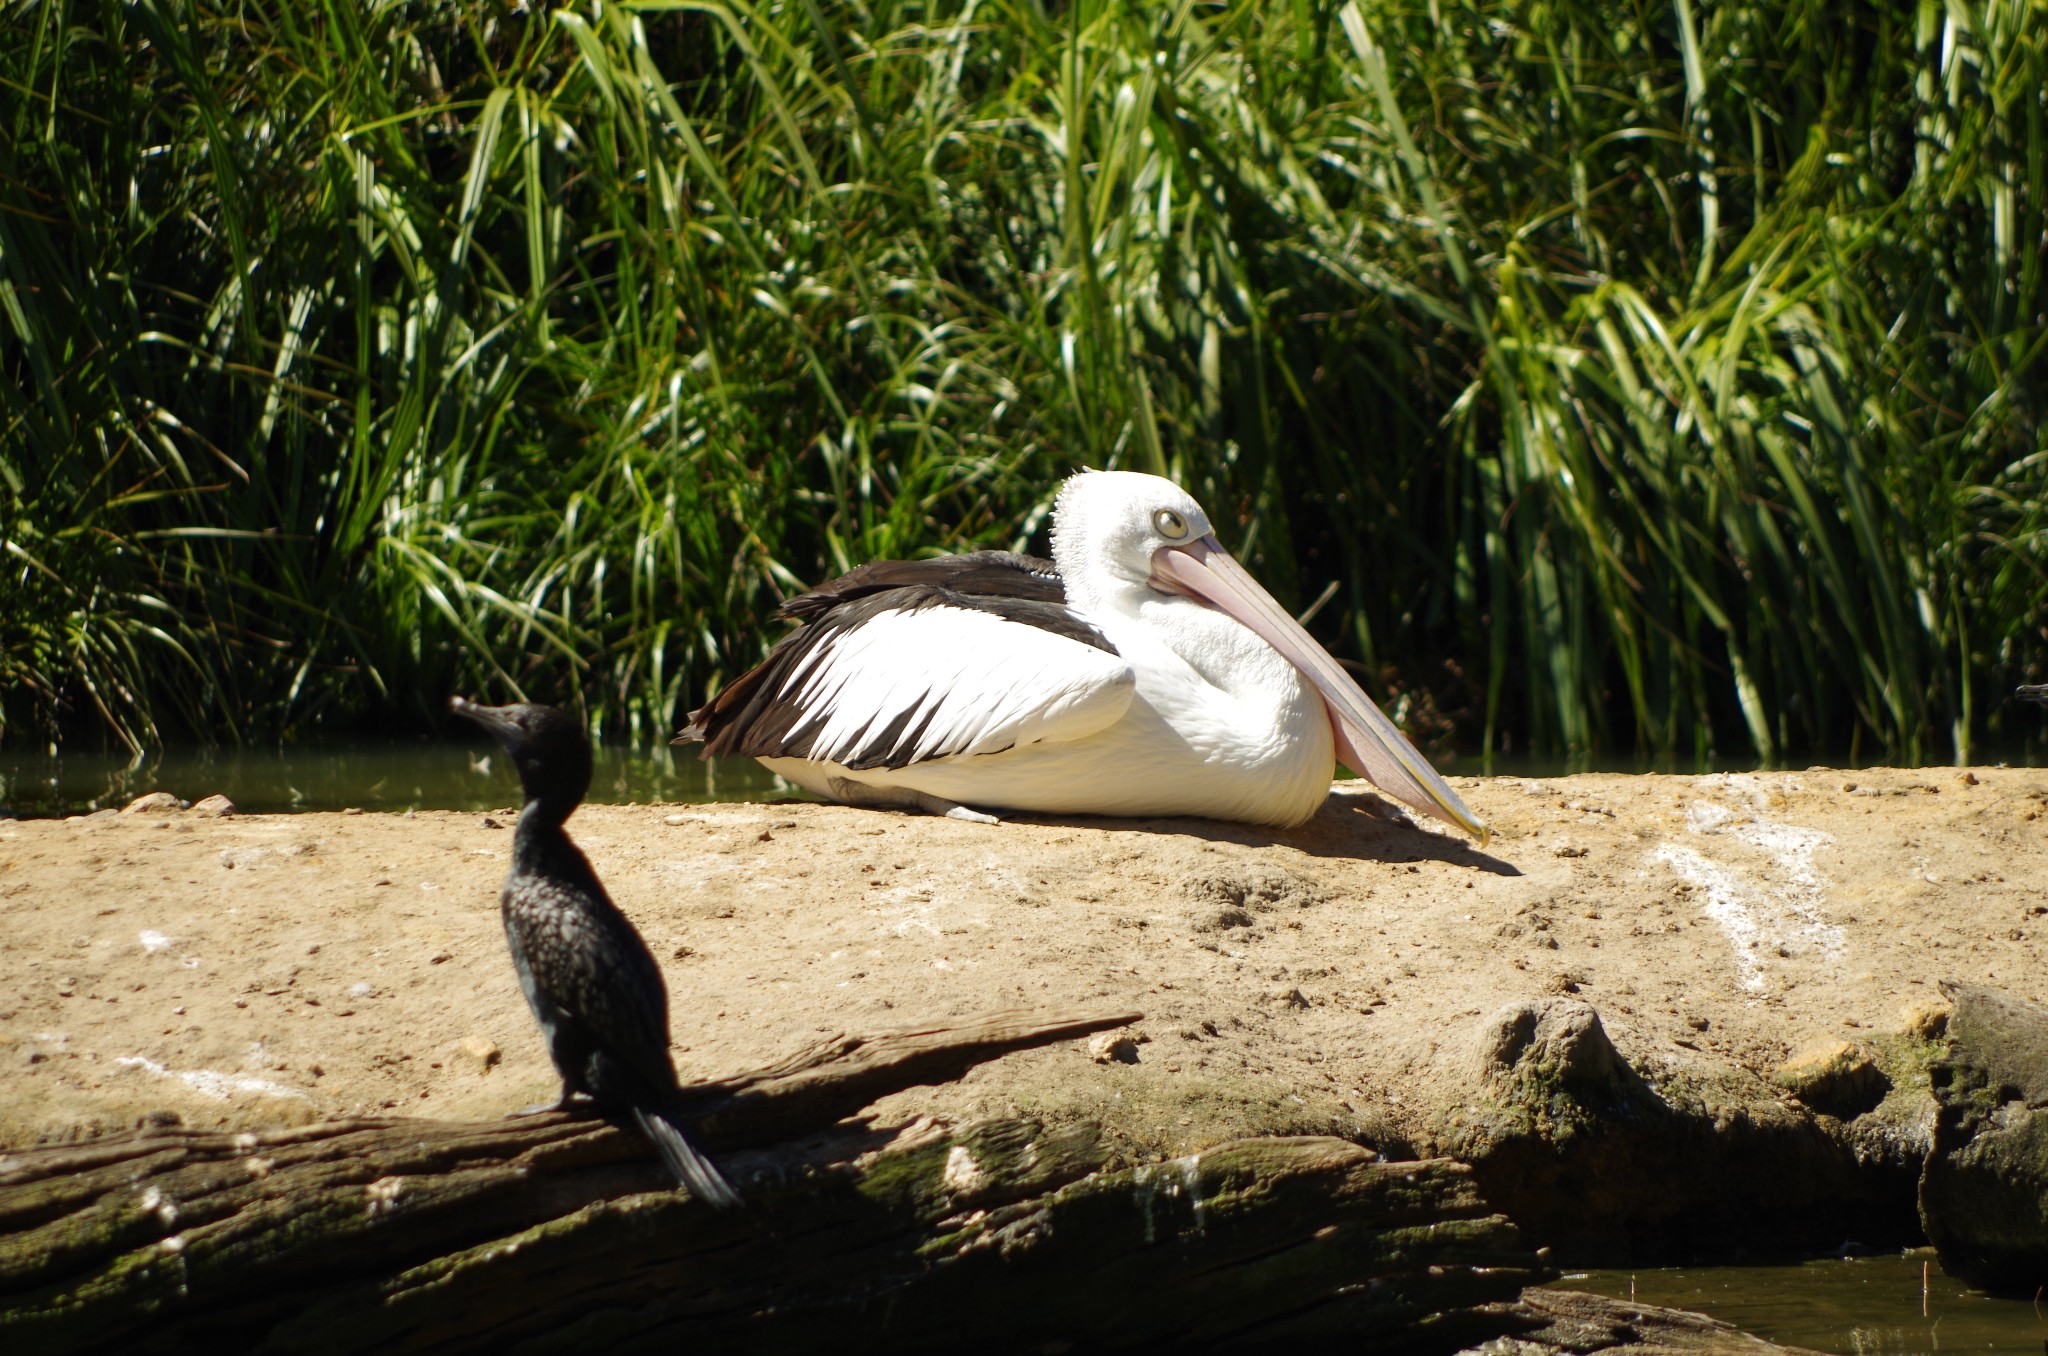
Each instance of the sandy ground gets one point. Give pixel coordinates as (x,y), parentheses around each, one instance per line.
(246,971)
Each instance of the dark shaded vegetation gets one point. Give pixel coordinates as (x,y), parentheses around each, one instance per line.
(1640,376)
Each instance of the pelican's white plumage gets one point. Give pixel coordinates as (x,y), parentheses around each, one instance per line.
(1149,676)
(991,686)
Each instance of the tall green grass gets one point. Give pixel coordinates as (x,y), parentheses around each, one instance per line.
(1641,376)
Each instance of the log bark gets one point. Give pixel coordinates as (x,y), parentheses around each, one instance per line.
(554,1233)
(1984,1187)
(1572,1323)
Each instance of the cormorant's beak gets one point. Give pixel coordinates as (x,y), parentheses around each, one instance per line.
(492,718)
(1367,742)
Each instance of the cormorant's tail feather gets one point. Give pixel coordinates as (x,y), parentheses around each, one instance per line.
(690,1166)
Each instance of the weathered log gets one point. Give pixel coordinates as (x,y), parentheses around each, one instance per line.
(552,1233)
(1984,1190)
(1573,1323)
(1591,1157)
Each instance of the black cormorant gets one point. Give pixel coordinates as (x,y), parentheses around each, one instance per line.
(588,977)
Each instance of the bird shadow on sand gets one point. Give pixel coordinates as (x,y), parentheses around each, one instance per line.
(1351,824)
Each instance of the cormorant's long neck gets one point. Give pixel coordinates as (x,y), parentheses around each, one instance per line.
(539,845)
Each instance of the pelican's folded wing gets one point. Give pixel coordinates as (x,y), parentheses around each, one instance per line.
(912,674)
(977,574)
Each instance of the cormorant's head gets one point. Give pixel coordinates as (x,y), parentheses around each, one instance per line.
(546,745)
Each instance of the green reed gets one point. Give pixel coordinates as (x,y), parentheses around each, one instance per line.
(1641,376)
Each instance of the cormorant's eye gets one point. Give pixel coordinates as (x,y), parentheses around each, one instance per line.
(1170,524)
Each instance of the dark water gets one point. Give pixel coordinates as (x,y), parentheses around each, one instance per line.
(2009,754)
(1860,1306)
(447,775)
(470,774)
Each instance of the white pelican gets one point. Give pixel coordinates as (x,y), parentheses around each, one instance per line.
(1141,671)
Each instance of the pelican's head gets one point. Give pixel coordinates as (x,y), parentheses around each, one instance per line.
(1107,529)
(1119,537)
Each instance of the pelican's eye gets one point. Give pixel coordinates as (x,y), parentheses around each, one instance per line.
(1170,524)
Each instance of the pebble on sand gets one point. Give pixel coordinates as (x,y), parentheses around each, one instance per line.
(482,1052)
(1115,1047)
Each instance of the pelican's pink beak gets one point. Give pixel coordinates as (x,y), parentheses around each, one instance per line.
(1367,742)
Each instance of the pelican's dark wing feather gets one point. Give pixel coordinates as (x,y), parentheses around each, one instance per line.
(977,574)
(903,661)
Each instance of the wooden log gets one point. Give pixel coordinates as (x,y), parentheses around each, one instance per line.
(553,1233)
(1984,1187)
(1573,1323)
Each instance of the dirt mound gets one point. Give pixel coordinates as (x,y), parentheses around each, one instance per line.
(1337,978)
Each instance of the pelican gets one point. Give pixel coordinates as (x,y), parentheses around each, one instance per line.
(1140,671)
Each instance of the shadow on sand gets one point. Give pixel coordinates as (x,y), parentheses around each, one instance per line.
(1352,823)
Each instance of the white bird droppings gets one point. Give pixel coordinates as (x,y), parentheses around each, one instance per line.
(1767,899)
(207,1083)
(962,1173)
